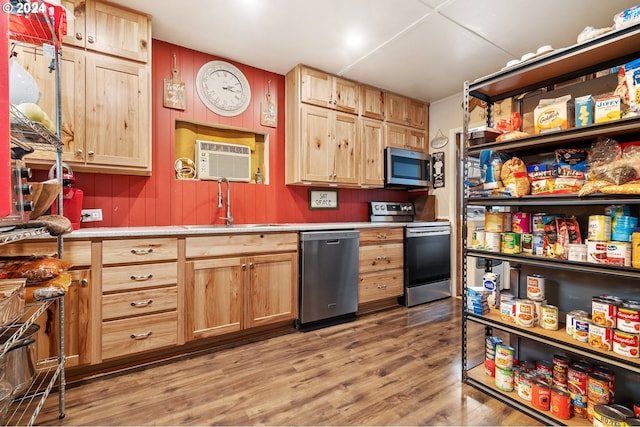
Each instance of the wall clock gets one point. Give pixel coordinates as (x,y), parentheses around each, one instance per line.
(223,88)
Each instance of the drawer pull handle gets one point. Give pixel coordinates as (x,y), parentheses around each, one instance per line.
(141,336)
(141,251)
(382,286)
(141,278)
(381,257)
(382,236)
(141,303)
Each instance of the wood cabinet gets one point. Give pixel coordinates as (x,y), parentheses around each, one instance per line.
(372,153)
(405,137)
(105,110)
(328,91)
(381,265)
(406,111)
(371,102)
(109,29)
(236,282)
(139,296)
(78,306)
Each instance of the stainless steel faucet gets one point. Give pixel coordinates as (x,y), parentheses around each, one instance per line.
(228,218)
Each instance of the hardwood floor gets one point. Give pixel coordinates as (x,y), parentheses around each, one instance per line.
(396,367)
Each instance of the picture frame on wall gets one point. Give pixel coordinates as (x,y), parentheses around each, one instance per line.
(323,199)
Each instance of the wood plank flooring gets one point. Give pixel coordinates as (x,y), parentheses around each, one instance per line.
(396,367)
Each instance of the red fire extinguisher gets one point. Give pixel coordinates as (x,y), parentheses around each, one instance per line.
(71,196)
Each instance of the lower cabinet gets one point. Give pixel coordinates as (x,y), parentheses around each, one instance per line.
(232,293)
(381,272)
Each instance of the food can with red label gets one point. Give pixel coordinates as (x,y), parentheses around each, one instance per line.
(525,313)
(598,389)
(549,317)
(577,380)
(608,374)
(490,367)
(601,337)
(560,368)
(628,317)
(525,386)
(540,395)
(603,311)
(626,344)
(535,287)
(545,369)
(560,403)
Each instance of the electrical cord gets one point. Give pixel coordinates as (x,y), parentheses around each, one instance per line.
(185,168)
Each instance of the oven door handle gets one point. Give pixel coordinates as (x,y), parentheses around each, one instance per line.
(436,231)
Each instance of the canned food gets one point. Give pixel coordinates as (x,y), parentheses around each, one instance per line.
(579,405)
(560,368)
(628,317)
(605,415)
(510,243)
(597,252)
(538,244)
(608,374)
(494,222)
(477,239)
(490,367)
(581,328)
(584,364)
(537,311)
(628,413)
(603,311)
(560,403)
(504,356)
(526,242)
(599,227)
(549,317)
(577,380)
(525,312)
(626,344)
(516,377)
(535,287)
(601,337)
(598,389)
(504,379)
(492,241)
(619,253)
(545,369)
(520,222)
(508,311)
(525,386)
(540,395)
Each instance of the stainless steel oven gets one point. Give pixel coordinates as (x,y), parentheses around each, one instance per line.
(427,245)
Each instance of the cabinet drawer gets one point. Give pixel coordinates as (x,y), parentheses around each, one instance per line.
(236,244)
(130,251)
(379,235)
(381,257)
(128,336)
(380,285)
(128,277)
(127,304)
(78,253)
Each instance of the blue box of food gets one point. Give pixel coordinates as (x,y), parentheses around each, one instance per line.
(584,110)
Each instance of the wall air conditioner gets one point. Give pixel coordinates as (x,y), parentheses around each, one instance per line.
(217,160)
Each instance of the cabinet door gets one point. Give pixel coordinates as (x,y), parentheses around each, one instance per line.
(117,31)
(317,144)
(396,136)
(76,33)
(345,95)
(346,150)
(372,102)
(214,295)
(72,98)
(395,108)
(372,153)
(417,114)
(417,140)
(271,291)
(77,318)
(117,113)
(316,87)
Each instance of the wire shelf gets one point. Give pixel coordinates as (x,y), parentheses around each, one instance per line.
(37,22)
(33,133)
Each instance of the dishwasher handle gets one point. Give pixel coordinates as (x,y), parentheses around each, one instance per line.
(431,231)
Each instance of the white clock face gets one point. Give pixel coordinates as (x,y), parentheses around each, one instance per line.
(223,88)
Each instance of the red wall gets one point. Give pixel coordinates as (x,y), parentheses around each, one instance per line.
(161,199)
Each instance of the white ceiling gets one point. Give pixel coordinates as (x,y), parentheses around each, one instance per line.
(420,48)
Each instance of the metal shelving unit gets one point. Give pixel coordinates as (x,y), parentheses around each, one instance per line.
(562,65)
(38,27)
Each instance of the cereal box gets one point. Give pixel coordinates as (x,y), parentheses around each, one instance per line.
(553,114)
(584,110)
(632,72)
(606,109)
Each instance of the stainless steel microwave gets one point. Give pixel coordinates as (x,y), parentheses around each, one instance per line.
(406,169)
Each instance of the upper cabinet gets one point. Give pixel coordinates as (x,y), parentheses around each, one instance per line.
(324,90)
(371,102)
(109,29)
(406,111)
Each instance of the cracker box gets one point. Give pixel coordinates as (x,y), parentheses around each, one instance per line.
(584,110)
(606,109)
(553,115)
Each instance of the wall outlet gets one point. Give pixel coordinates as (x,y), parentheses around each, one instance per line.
(90,215)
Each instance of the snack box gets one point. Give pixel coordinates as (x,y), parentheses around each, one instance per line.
(607,108)
(553,115)
(584,110)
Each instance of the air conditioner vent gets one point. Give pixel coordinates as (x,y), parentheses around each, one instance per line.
(221,160)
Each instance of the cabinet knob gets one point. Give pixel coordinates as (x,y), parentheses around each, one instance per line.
(78,36)
(244,267)
(251,265)
(91,152)
(90,39)
(79,152)
(84,282)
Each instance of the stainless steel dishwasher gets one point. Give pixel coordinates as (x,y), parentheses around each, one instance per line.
(328,278)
